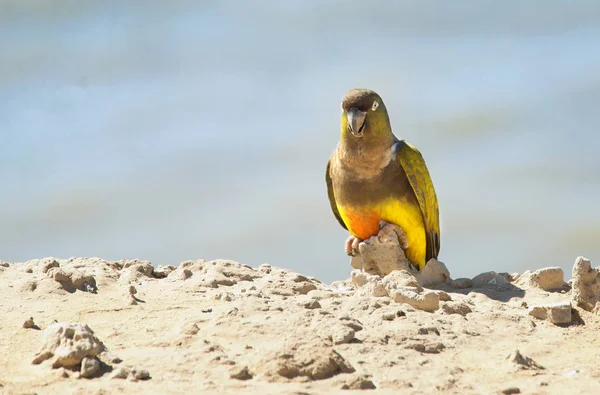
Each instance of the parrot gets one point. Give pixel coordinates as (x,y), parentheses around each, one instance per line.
(377,182)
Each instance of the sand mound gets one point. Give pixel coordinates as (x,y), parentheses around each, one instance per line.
(220,326)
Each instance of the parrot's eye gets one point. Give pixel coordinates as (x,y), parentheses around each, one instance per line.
(375,105)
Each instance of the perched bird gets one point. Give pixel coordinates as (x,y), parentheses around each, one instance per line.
(374,180)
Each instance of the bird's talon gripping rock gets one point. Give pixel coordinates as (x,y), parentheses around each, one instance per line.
(386,228)
(352,245)
(355,244)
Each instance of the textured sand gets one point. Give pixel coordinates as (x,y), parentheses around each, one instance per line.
(223,327)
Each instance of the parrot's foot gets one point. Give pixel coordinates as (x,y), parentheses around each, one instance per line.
(385,228)
(352,245)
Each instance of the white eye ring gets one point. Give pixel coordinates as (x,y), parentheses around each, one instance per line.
(375,105)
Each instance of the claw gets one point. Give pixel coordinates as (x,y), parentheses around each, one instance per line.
(386,228)
(352,245)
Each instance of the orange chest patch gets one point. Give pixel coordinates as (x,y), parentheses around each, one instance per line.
(361,223)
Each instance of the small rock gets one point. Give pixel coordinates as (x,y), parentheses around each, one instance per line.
(185,274)
(388,316)
(296,277)
(240,373)
(341,334)
(557,313)
(83,282)
(351,323)
(28,324)
(163,271)
(585,291)
(89,367)
(303,288)
(311,304)
(222,279)
(456,308)
(139,374)
(59,275)
(489,279)
(119,373)
(444,296)
(522,361)
(310,360)
(434,273)
(428,330)
(511,390)
(359,383)
(48,263)
(67,344)
(425,300)
(548,279)
(461,283)
(428,348)
(73,280)
(134,270)
(420,347)
(225,296)
(132,290)
(207,310)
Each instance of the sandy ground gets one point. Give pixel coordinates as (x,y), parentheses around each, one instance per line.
(223,327)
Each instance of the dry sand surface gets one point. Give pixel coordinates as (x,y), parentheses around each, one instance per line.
(90,326)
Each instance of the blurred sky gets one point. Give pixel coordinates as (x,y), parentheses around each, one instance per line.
(178,130)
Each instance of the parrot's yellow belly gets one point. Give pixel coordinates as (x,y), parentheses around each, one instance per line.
(363,222)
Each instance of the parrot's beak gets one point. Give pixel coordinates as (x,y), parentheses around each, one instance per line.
(356,121)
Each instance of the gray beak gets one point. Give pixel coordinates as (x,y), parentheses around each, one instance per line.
(356,121)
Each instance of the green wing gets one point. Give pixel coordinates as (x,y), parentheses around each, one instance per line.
(332,196)
(414,165)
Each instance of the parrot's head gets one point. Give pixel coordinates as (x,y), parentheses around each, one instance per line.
(364,115)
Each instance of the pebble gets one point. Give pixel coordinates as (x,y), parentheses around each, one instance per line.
(557,313)
(341,334)
(240,373)
(28,324)
(89,367)
(139,374)
(388,316)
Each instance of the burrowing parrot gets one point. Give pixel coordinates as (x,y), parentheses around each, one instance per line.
(374,180)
